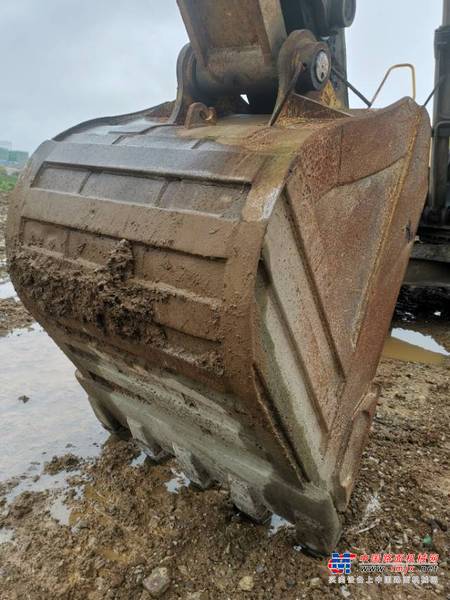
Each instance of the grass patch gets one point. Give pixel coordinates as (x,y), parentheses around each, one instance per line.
(7,182)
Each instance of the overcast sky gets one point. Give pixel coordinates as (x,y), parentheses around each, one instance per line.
(65,61)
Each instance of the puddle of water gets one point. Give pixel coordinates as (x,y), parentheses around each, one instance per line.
(177,483)
(64,514)
(44,483)
(19,332)
(6,535)
(277,523)
(412,346)
(7,290)
(60,511)
(57,413)
(139,460)
(57,485)
(419,339)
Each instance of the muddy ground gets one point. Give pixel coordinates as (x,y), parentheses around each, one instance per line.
(96,527)
(12,313)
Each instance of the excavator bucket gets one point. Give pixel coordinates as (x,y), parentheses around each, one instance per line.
(224,287)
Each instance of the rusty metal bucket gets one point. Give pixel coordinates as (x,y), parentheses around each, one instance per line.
(225,290)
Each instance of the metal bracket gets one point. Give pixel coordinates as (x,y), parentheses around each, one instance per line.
(200,115)
(304,64)
(409,66)
(189,93)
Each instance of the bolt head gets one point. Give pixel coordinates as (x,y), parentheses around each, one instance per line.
(322,66)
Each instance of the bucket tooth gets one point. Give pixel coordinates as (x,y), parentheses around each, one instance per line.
(107,420)
(246,500)
(192,467)
(320,531)
(146,442)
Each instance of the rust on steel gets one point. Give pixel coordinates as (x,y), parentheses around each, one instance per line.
(225,290)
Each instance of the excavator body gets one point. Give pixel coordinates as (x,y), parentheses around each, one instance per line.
(223,272)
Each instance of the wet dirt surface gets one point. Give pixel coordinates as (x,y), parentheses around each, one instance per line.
(96,520)
(12,313)
(3,213)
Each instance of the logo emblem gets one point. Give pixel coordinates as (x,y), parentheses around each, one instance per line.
(341,564)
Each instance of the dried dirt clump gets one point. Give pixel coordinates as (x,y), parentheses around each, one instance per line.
(68,462)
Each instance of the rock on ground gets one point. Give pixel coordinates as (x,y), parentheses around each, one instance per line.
(158,582)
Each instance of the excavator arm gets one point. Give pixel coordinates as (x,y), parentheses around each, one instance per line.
(428,276)
(237,43)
